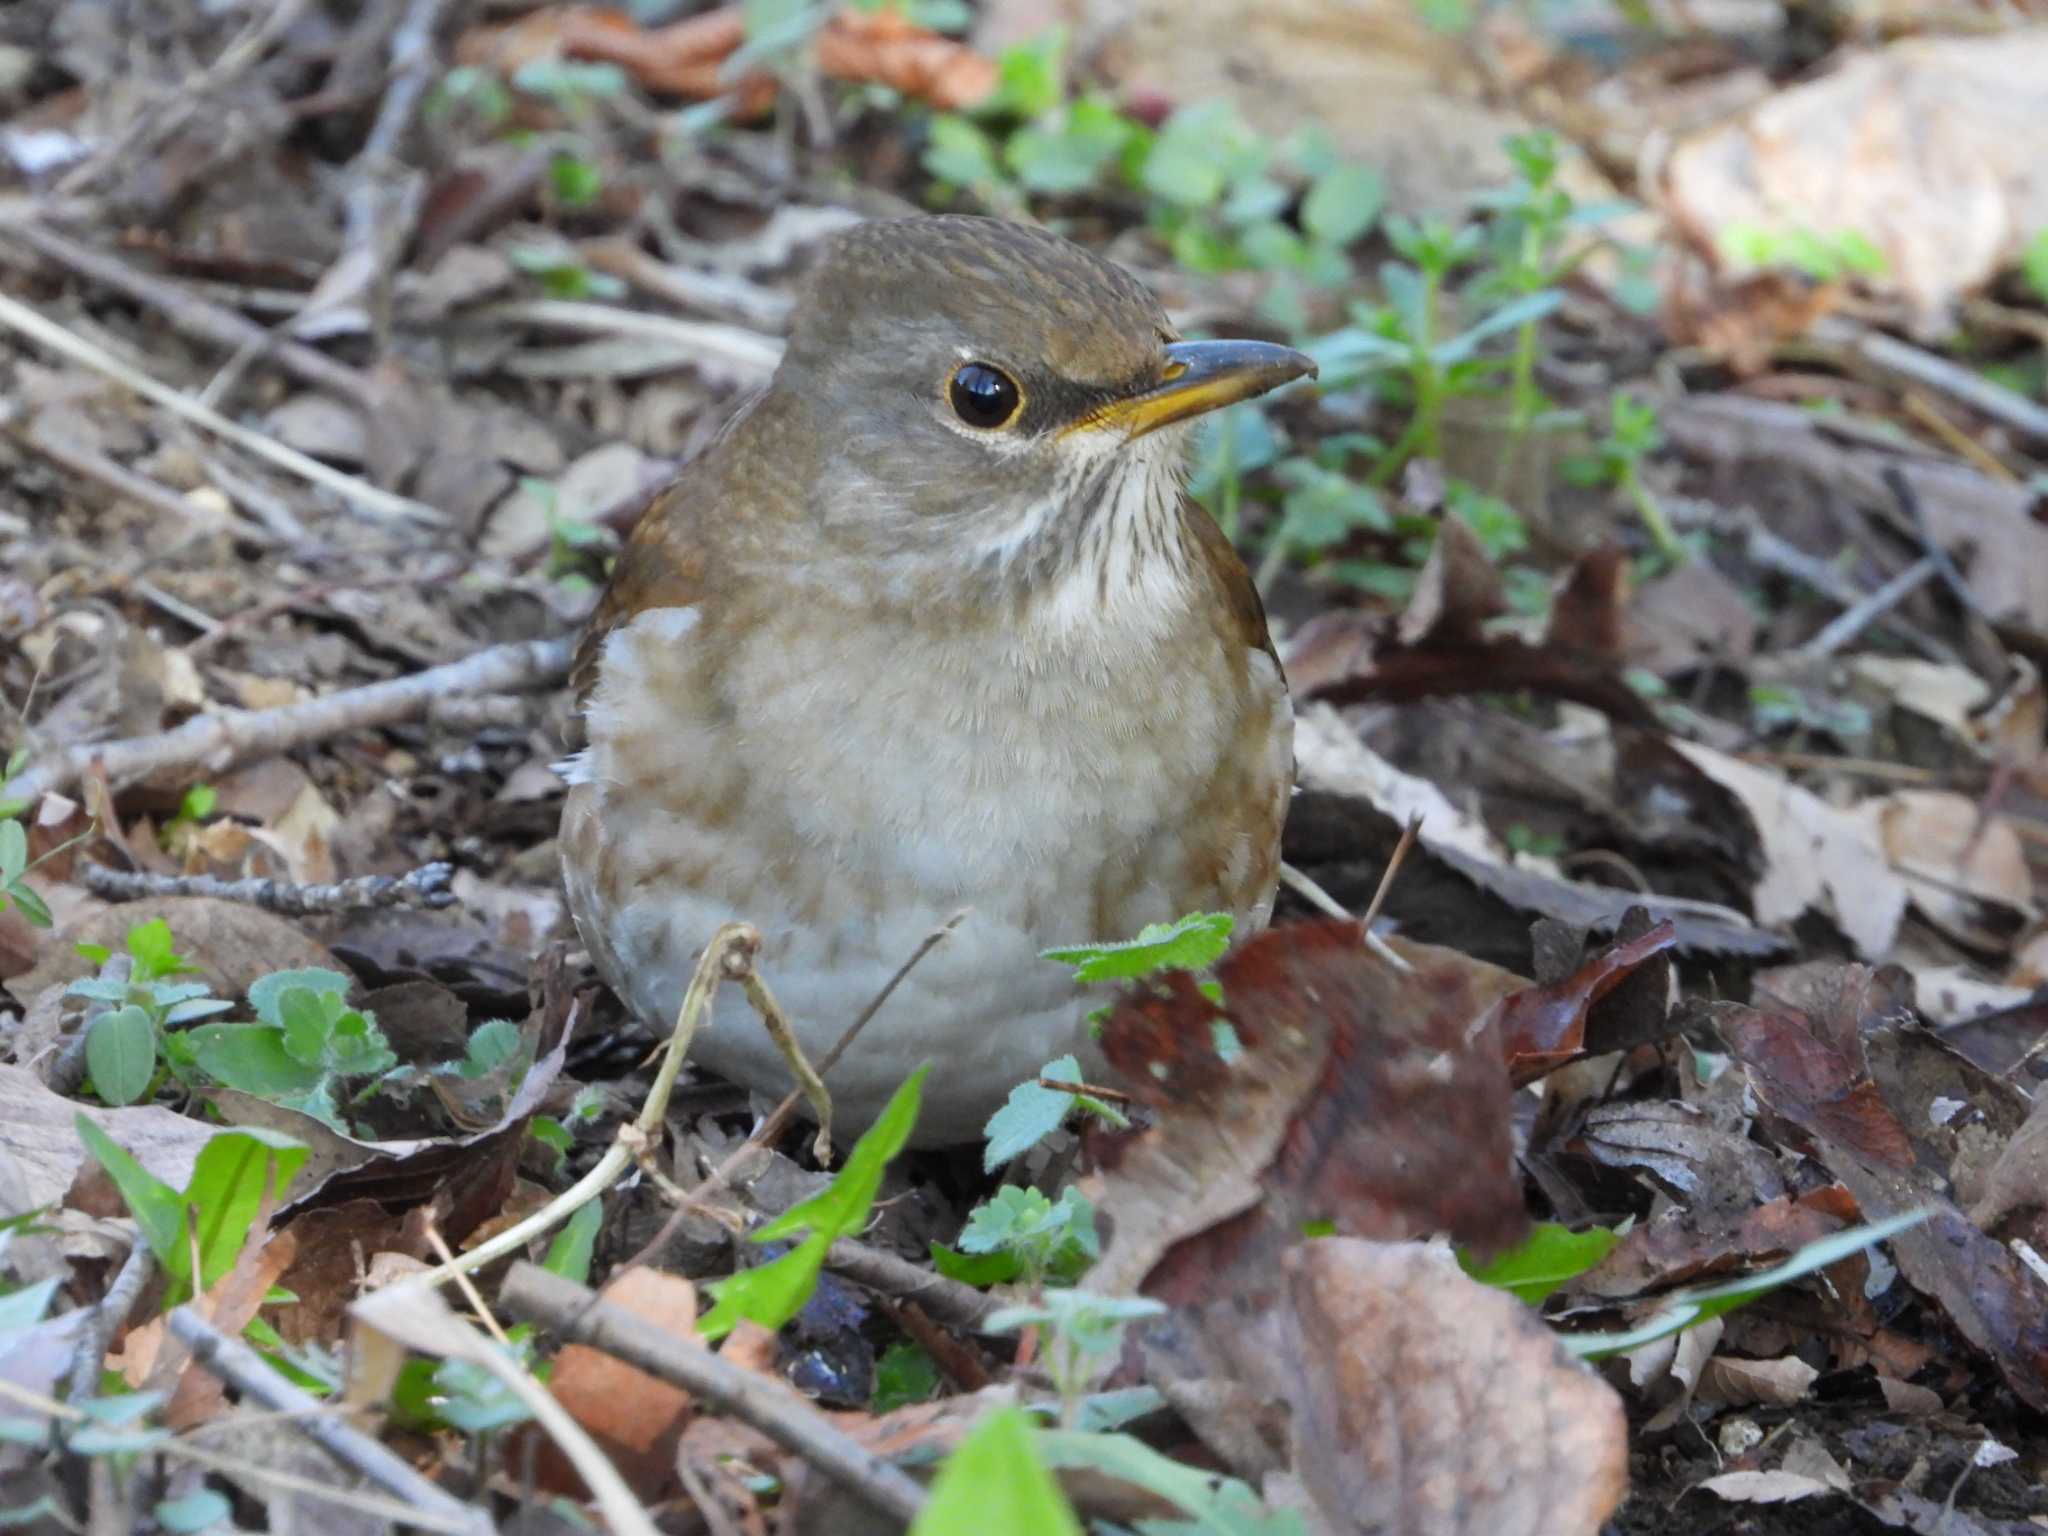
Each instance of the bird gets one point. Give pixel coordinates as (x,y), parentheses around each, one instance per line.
(931,625)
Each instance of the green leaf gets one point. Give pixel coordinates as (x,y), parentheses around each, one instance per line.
(569,1254)
(120,1054)
(960,154)
(252,1059)
(13,851)
(773,1293)
(154,954)
(194,1512)
(1545,1260)
(980,1270)
(1030,77)
(1223,1506)
(266,992)
(158,1209)
(2034,265)
(576,182)
(1684,1309)
(904,1375)
(842,1207)
(229,1179)
(1031,1114)
(307,1019)
(494,1043)
(1343,203)
(994,1485)
(33,907)
(27,1306)
(1194,943)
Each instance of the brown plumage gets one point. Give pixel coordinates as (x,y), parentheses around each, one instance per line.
(879,655)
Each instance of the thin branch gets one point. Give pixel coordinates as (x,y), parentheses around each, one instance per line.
(581,1315)
(215,743)
(1852,621)
(1889,355)
(955,1304)
(111,1312)
(364,496)
(250,1374)
(425,887)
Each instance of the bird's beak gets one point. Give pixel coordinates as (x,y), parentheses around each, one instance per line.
(1201,376)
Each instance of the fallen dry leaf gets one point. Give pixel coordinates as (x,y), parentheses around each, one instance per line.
(636,1418)
(1816,857)
(1363,1095)
(1423,1402)
(1927,148)
(1956,862)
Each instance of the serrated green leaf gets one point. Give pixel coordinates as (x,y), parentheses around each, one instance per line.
(266,991)
(1194,943)
(1030,1114)
(120,1054)
(995,1485)
(904,1375)
(251,1058)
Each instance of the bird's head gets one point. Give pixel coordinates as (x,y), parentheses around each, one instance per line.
(989,387)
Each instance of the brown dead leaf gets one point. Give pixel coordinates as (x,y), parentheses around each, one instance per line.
(1363,1095)
(1810,1070)
(38,1136)
(1424,1402)
(1956,861)
(1543,1027)
(1816,857)
(1926,148)
(1742,1383)
(636,1418)
(687,57)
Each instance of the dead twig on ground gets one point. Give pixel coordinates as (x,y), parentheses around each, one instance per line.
(425,887)
(250,1374)
(950,1301)
(360,494)
(1889,355)
(214,743)
(579,1314)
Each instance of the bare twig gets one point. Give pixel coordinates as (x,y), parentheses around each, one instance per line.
(1867,610)
(744,354)
(951,1302)
(112,1310)
(426,886)
(579,1314)
(196,317)
(358,493)
(1889,355)
(214,743)
(251,1375)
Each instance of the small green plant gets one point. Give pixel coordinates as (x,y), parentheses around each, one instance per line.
(1633,434)
(995,1484)
(1032,1238)
(577,547)
(904,1374)
(15,864)
(132,1038)
(1081,1336)
(1823,257)
(197,1232)
(307,1049)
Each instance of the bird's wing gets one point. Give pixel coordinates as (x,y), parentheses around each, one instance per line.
(1235,588)
(662,566)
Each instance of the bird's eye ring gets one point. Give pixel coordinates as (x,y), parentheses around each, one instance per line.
(983,396)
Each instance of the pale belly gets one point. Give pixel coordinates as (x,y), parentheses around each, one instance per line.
(847,811)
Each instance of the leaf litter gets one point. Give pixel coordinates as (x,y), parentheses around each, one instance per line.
(1387,1196)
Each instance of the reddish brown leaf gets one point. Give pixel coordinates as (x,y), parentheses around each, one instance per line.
(1363,1095)
(1543,1027)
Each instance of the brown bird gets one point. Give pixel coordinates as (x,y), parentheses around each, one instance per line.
(931,626)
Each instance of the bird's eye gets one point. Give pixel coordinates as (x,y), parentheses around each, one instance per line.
(983,396)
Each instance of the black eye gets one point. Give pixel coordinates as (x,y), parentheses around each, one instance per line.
(982,396)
